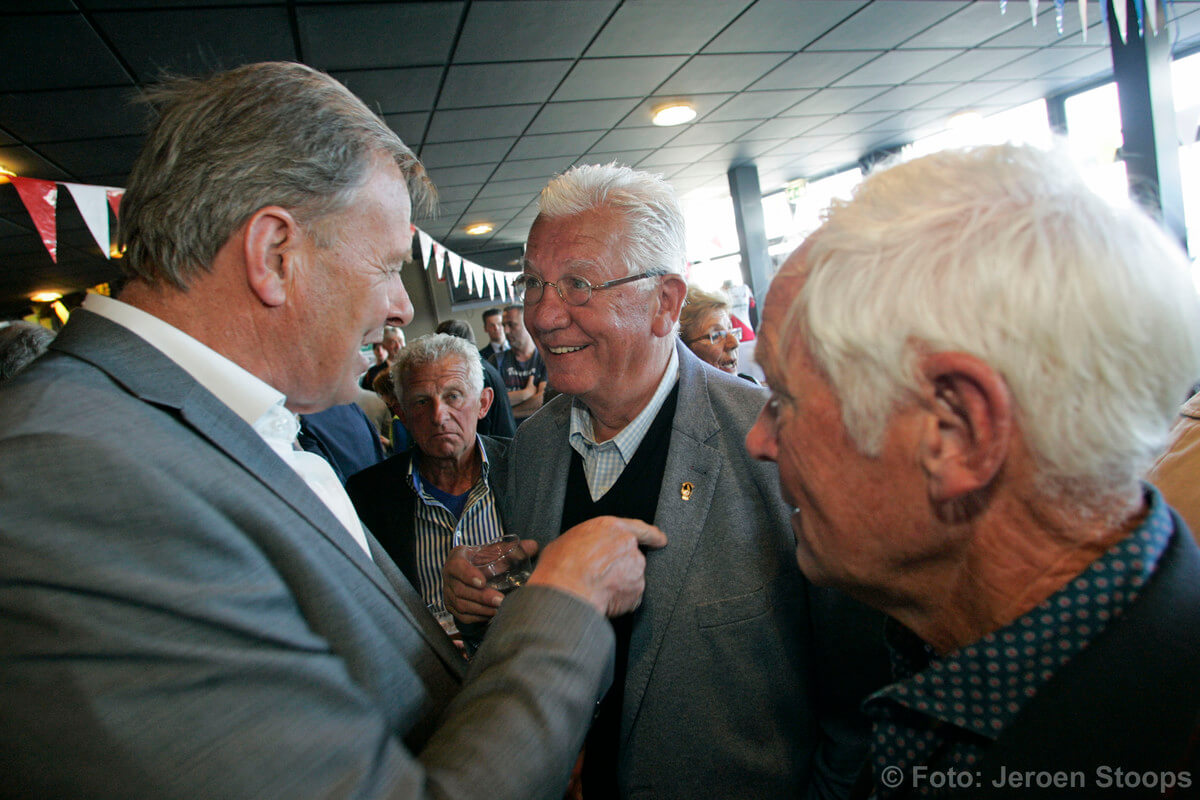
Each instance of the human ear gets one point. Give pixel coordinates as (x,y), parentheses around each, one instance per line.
(270,246)
(671,291)
(485,401)
(968,424)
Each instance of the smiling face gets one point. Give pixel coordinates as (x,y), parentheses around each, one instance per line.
(610,350)
(723,354)
(441,410)
(346,292)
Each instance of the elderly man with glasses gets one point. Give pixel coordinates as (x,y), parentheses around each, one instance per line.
(735,678)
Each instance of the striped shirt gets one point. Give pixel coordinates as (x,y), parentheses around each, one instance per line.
(603,462)
(438,531)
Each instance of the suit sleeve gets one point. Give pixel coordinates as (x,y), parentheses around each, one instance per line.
(152,645)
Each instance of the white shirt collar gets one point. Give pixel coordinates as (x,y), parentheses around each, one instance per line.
(248,396)
(629,437)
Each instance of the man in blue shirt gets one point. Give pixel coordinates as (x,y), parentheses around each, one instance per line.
(971,365)
(439,494)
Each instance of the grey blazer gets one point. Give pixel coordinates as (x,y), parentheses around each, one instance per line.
(743,679)
(180,616)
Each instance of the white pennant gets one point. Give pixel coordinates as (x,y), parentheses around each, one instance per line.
(1083,17)
(455,267)
(1033,4)
(426,248)
(1152,15)
(1119,11)
(93,206)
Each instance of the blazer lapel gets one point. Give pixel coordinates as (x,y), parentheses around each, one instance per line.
(690,460)
(148,374)
(549,474)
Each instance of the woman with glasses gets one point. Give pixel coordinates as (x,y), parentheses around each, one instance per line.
(705,327)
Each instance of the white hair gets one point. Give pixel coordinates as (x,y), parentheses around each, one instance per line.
(654,240)
(431,349)
(1086,310)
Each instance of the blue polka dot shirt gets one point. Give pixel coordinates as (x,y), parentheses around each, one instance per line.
(944,711)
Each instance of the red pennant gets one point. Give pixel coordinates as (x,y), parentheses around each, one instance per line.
(41,201)
(114,201)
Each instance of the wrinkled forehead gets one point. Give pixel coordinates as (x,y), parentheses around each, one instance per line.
(592,239)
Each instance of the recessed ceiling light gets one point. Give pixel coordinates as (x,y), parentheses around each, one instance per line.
(6,175)
(45,297)
(480,228)
(674,114)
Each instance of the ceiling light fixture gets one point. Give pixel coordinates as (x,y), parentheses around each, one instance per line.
(673,114)
(480,228)
(6,174)
(45,297)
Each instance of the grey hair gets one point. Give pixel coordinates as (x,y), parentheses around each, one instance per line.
(20,343)
(275,133)
(1086,310)
(698,302)
(654,240)
(431,349)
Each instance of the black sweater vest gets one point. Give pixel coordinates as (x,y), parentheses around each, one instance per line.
(634,495)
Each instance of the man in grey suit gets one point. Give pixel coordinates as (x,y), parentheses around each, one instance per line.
(189,606)
(735,678)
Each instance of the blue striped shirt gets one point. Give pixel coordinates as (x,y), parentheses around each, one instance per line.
(604,462)
(437,530)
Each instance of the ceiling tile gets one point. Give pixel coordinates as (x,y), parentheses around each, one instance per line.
(497,204)
(895,67)
(834,100)
(664,27)
(542,29)
(626,157)
(389,91)
(64,115)
(455,176)
(758,105)
(781,25)
(804,145)
(499,188)
(784,127)
(904,96)
(881,26)
(581,115)
(554,144)
(543,168)
(372,36)
(970,94)
(631,138)
(720,73)
(712,132)
(451,125)
(88,159)
(457,154)
(666,156)
(599,78)
(813,70)
(409,127)
(1037,63)
(33,47)
(972,64)
(969,26)
(848,123)
(643,112)
(197,41)
(469,85)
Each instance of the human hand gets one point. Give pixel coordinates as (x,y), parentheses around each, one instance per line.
(600,561)
(463,589)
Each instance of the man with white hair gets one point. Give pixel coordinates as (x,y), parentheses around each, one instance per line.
(440,493)
(735,678)
(971,364)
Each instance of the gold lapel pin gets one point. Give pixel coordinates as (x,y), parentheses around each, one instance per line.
(685,491)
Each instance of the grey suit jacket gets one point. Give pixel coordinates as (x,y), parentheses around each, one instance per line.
(180,616)
(743,680)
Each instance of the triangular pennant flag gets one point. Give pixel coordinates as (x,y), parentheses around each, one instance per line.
(1121,15)
(1083,16)
(1033,4)
(472,274)
(92,202)
(41,201)
(1138,7)
(1152,15)
(456,265)
(426,248)
(1058,15)
(496,285)
(114,201)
